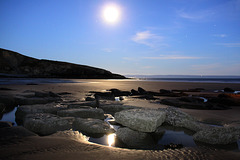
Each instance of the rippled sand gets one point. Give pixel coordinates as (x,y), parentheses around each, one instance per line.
(39,148)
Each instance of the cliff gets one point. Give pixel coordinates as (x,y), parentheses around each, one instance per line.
(13,64)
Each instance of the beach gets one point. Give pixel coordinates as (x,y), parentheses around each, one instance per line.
(57,147)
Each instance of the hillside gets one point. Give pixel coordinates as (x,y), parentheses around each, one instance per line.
(13,64)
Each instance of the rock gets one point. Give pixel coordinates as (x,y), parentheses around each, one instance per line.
(20,100)
(118,93)
(113,108)
(193,103)
(143,120)
(45,94)
(92,126)
(135,139)
(7,100)
(134,92)
(121,98)
(64,93)
(142,91)
(82,113)
(46,124)
(164,91)
(89,99)
(191,99)
(23,110)
(226,100)
(228,90)
(104,95)
(8,134)
(4,124)
(176,117)
(218,135)
(85,104)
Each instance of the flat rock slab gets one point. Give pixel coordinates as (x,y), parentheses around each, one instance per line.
(178,118)
(218,135)
(46,124)
(83,104)
(52,108)
(92,126)
(143,120)
(113,108)
(82,113)
(135,139)
(21,100)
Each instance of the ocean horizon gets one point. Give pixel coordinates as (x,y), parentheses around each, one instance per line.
(187,78)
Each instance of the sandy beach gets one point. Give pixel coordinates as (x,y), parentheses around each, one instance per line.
(49,147)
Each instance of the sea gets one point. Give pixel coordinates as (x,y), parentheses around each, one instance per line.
(163,78)
(186,78)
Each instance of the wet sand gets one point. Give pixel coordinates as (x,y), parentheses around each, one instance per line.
(64,148)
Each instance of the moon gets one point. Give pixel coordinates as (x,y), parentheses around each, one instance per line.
(111,13)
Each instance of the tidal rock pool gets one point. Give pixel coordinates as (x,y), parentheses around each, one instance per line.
(165,137)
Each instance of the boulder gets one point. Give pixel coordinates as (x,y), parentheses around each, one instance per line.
(21,100)
(89,99)
(92,126)
(84,104)
(193,103)
(135,139)
(96,113)
(141,90)
(134,92)
(176,117)
(7,100)
(113,108)
(143,120)
(228,90)
(104,95)
(164,91)
(22,111)
(46,124)
(118,93)
(45,94)
(218,135)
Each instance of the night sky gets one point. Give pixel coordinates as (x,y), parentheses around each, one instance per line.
(161,37)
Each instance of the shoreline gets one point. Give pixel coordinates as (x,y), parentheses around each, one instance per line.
(36,147)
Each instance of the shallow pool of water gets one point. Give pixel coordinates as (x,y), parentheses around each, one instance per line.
(170,135)
(10,116)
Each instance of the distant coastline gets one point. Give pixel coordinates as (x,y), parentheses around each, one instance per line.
(187,78)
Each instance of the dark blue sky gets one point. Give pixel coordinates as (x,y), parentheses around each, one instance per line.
(183,37)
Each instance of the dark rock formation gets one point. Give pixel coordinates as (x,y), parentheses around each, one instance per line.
(135,139)
(13,64)
(95,113)
(92,126)
(143,120)
(46,123)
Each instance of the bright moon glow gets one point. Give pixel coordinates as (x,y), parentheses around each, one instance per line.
(111,139)
(111,13)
